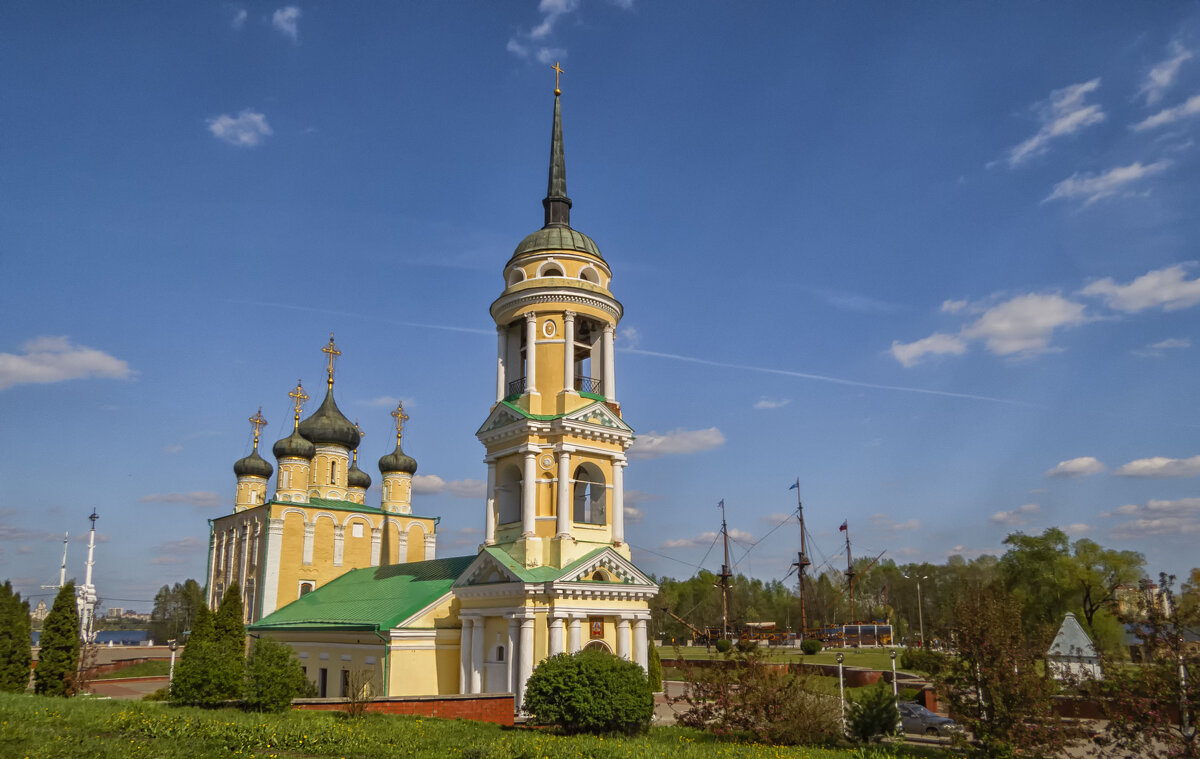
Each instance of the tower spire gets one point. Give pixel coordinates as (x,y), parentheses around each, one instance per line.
(557,204)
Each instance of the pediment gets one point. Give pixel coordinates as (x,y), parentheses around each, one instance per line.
(485,570)
(501,416)
(615,567)
(599,415)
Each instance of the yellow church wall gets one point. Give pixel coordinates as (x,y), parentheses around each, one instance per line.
(335,652)
(416,542)
(322,552)
(413,670)
(356,552)
(291,572)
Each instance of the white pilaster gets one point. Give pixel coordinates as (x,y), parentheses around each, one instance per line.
(339,544)
(618,502)
(270,590)
(464,657)
(529,495)
(623,643)
(641,654)
(430,546)
(573,635)
(489,518)
(245,560)
(310,530)
(610,367)
(477,655)
(525,662)
(556,635)
(563,524)
(510,671)
(569,352)
(531,353)
(376,545)
(501,349)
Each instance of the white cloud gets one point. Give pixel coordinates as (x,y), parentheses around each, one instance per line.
(1016,516)
(548,55)
(629,337)
(1162,76)
(633,515)
(1161,466)
(1156,349)
(777,518)
(1186,109)
(1062,114)
(428,484)
(706,538)
(517,49)
(1080,467)
(1024,324)
(680,441)
(389,401)
(1093,187)
(552,12)
(1078,528)
(953,306)
(203,499)
(188,544)
(286,21)
(639,496)
(246,130)
(55,359)
(885,523)
(172,448)
(239,18)
(1159,517)
(769,403)
(936,344)
(1167,288)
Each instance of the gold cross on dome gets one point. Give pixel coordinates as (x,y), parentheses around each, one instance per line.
(558,71)
(258,421)
(400,418)
(332,351)
(298,396)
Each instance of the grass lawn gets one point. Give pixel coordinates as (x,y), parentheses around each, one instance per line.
(34,726)
(141,669)
(872,658)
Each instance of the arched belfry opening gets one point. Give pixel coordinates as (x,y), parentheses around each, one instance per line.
(590,502)
(509,489)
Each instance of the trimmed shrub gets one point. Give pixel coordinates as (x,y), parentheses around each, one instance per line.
(745,645)
(654,670)
(724,646)
(873,714)
(590,692)
(273,676)
(922,660)
(810,646)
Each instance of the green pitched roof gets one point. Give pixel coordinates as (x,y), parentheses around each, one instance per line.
(543,573)
(374,598)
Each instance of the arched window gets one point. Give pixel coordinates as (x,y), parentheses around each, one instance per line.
(550,269)
(499,653)
(509,487)
(590,495)
(332,472)
(589,274)
(515,276)
(306,588)
(599,645)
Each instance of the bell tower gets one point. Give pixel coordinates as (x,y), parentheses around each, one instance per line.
(555,438)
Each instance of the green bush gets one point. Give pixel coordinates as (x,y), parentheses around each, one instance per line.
(58,657)
(590,692)
(273,676)
(873,714)
(654,670)
(910,694)
(922,660)
(810,646)
(14,641)
(724,646)
(745,645)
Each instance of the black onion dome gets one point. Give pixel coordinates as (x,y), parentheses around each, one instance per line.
(357,478)
(327,426)
(254,465)
(398,461)
(294,446)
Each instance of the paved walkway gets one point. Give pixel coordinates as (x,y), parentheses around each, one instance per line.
(128,688)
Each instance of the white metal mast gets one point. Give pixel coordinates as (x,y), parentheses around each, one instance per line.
(86,600)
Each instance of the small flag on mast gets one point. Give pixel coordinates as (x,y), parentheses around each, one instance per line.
(795,485)
(843,527)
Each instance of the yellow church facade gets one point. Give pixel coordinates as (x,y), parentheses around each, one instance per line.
(554,573)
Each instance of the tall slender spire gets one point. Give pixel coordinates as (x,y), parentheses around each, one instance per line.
(557,204)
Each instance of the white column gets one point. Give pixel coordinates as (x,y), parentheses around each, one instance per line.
(245,560)
(525,663)
(623,638)
(563,528)
(309,531)
(501,349)
(556,635)
(401,547)
(573,635)
(569,352)
(270,588)
(610,369)
(531,353)
(464,657)
(477,655)
(641,654)
(510,671)
(618,502)
(529,495)
(339,543)
(376,545)
(430,546)
(489,513)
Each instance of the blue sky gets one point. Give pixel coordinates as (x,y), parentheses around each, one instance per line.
(939,261)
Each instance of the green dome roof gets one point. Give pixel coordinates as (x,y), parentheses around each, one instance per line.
(557,238)
(397,461)
(357,478)
(253,465)
(327,426)
(294,446)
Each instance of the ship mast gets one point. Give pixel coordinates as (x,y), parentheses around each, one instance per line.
(802,562)
(87,593)
(849,569)
(62,570)
(725,575)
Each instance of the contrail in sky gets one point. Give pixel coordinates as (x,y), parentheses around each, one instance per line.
(445,327)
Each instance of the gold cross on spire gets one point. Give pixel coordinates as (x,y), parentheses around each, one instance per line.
(332,351)
(400,418)
(558,71)
(258,422)
(299,397)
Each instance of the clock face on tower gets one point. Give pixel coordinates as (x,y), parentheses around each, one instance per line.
(547,461)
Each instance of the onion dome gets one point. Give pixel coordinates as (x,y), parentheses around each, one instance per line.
(327,425)
(557,233)
(294,446)
(398,461)
(253,465)
(357,478)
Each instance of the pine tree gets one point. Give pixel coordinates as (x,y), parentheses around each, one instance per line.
(58,658)
(212,669)
(14,652)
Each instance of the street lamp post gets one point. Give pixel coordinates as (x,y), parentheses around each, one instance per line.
(920,606)
(842,690)
(895,692)
(171,674)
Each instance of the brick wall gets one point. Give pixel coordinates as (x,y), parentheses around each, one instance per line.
(497,708)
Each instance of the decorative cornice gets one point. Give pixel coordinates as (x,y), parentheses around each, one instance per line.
(518,300)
